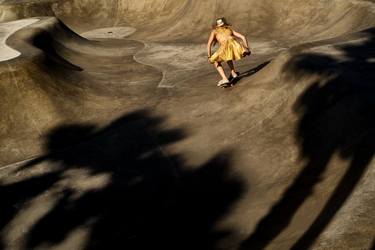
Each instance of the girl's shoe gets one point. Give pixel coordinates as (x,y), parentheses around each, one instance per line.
(222,83)
(231,77)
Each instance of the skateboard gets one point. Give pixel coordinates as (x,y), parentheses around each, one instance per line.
(227,85)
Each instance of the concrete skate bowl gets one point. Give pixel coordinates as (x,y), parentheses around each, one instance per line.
(114,134)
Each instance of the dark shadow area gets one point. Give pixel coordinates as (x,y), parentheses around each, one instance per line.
(254,70)
(151,199)
(337,116)
(48,45)
(247,73)
(14,195)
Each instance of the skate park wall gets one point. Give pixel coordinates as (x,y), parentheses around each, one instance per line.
(286,21)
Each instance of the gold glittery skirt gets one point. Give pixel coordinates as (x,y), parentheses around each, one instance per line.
(228,51)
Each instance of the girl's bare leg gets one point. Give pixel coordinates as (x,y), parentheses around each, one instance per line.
(233,70)
(220,69)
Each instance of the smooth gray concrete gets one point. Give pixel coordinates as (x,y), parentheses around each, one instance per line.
(114,134)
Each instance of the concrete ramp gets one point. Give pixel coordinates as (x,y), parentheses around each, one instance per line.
(114,135)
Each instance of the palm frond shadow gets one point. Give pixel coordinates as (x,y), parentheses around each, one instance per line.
(147,198)
(335,116)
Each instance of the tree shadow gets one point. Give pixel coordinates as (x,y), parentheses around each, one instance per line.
(149,198)
(337,116)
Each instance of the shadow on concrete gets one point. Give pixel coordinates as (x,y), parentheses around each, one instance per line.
(254,70)
(248,73)
(45,42)
(337,116)
(150,199)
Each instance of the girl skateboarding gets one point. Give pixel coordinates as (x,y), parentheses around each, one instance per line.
(230,49)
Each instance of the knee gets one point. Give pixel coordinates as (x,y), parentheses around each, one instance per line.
(217,64)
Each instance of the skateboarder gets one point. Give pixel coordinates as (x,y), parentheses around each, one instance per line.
(230,49)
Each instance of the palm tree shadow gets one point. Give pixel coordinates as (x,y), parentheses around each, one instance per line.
(147,198)
(336,116)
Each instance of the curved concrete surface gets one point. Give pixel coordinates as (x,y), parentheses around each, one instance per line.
(114,134)
(7,29)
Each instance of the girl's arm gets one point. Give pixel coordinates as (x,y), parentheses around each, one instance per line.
(242,37)
(209,43)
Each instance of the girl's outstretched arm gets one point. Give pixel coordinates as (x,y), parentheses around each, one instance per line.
(242,37)
(209,43)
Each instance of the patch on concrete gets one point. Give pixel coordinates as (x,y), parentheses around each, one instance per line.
(110,32)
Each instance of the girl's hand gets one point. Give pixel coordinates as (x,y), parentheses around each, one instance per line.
(247,52)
